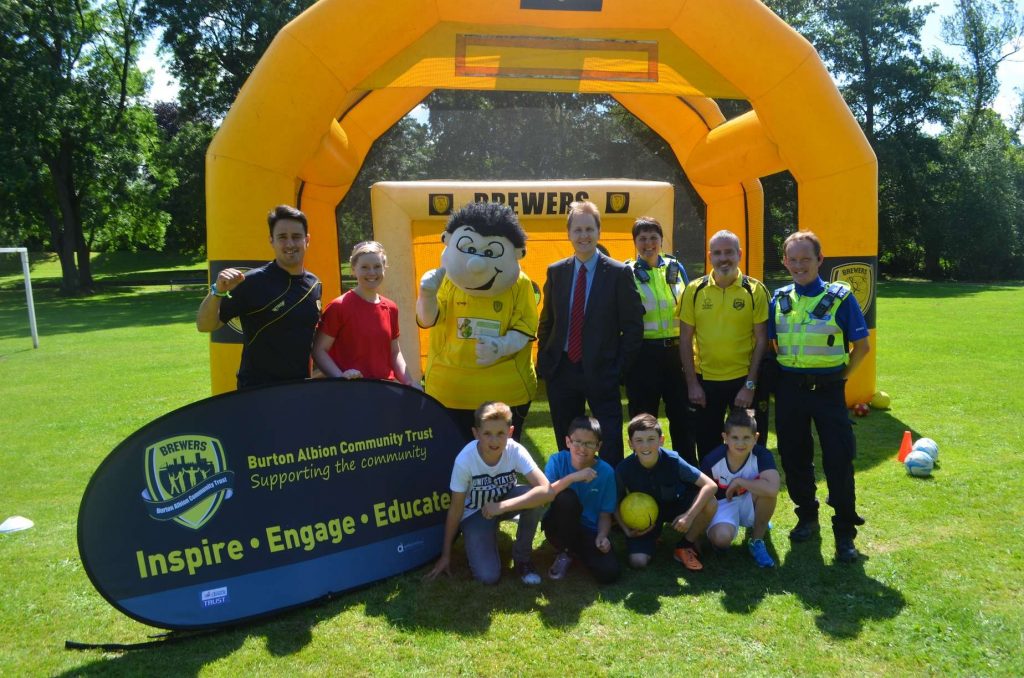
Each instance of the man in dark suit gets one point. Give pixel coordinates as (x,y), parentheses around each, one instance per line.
(585,350)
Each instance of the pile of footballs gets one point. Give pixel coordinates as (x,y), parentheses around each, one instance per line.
(921,457)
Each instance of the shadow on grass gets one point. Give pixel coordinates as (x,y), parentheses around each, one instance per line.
(878,442)
(842,596)
(187,654)
(117,308)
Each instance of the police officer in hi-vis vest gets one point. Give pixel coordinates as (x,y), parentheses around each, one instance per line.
(813,325)
(656,374)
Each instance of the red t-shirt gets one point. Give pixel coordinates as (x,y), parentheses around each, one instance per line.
(362,333)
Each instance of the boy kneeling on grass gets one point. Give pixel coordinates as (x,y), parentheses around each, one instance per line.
(580,517)
(748,486)
(484,474)
(685,496)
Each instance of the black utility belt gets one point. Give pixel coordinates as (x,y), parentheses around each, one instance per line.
(665,343)
(812,381)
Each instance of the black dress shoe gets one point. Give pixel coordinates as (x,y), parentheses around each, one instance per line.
(846,552)
(804,530)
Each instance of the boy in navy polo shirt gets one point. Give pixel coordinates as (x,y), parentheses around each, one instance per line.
(685,496)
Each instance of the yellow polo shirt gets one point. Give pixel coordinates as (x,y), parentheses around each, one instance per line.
(723,322)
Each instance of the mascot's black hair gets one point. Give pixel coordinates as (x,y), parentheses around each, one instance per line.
(489,218)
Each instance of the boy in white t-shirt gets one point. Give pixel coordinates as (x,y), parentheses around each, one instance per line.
(485,472)
(748,486)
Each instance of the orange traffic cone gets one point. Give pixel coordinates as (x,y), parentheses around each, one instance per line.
(905,446)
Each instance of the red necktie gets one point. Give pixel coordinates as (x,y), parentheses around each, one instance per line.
(579,302)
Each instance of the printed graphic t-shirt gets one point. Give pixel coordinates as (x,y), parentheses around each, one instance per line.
(483,483)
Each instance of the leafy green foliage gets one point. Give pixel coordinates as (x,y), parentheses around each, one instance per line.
(949,201)
(216,44)
(182,150)
(79,137)
(989,33)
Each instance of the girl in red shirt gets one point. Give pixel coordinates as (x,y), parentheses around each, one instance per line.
(357,336)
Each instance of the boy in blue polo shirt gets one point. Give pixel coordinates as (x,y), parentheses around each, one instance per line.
(685,496)
(580,516)
(748,486)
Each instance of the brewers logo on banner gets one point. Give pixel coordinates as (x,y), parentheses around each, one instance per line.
(186,479)
(617,203)
(440,204)
(859,275)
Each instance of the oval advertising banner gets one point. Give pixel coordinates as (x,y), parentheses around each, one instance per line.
(256,501)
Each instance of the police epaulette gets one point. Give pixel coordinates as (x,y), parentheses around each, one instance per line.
(838,289)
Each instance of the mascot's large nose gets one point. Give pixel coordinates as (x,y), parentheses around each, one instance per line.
(477,265)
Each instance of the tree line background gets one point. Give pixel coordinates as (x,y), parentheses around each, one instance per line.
(88,164)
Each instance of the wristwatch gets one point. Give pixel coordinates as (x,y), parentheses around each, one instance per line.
(750,385)
(214,292)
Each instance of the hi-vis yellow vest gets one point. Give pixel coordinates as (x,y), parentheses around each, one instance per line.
(659,297)
(807,334)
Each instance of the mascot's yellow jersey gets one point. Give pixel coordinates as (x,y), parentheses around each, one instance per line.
(453,376)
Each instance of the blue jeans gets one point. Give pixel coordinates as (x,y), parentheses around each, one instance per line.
(481,535)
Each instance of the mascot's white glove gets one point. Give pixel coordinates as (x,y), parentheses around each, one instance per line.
(426,303)
(490,349)
(430,283)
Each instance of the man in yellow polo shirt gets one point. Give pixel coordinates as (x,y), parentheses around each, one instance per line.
(723,336)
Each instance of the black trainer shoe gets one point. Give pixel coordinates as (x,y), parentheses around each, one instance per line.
(804,530)
(846,552)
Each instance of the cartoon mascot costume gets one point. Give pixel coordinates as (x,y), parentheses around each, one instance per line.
(482,311)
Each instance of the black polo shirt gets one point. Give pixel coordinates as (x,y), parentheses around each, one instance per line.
(278,312)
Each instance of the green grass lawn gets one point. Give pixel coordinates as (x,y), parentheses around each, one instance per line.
(108,269)
(939,592)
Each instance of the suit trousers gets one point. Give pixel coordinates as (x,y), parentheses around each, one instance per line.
(570,391)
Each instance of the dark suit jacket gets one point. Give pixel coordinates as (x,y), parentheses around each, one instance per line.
(613,327)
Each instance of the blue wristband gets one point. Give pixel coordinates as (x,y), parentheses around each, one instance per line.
(214,292)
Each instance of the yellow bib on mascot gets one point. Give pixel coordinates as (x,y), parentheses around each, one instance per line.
(482,313)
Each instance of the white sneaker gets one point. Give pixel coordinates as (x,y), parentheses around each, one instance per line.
(528,573)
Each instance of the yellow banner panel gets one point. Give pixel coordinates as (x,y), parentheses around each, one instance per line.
(523,58)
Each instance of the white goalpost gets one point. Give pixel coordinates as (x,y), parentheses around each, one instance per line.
(28,290)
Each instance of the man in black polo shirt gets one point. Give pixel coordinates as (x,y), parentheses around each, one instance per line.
(278,305)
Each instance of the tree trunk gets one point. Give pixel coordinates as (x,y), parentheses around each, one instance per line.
(71,237)
(68,270)
(83,249)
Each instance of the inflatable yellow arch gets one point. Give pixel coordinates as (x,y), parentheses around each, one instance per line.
(343,72)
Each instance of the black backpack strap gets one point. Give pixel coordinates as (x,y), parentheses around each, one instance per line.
(701,285)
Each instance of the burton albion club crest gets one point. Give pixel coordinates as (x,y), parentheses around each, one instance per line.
(187,479)
(617,203)
(861,279)
(440,204)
